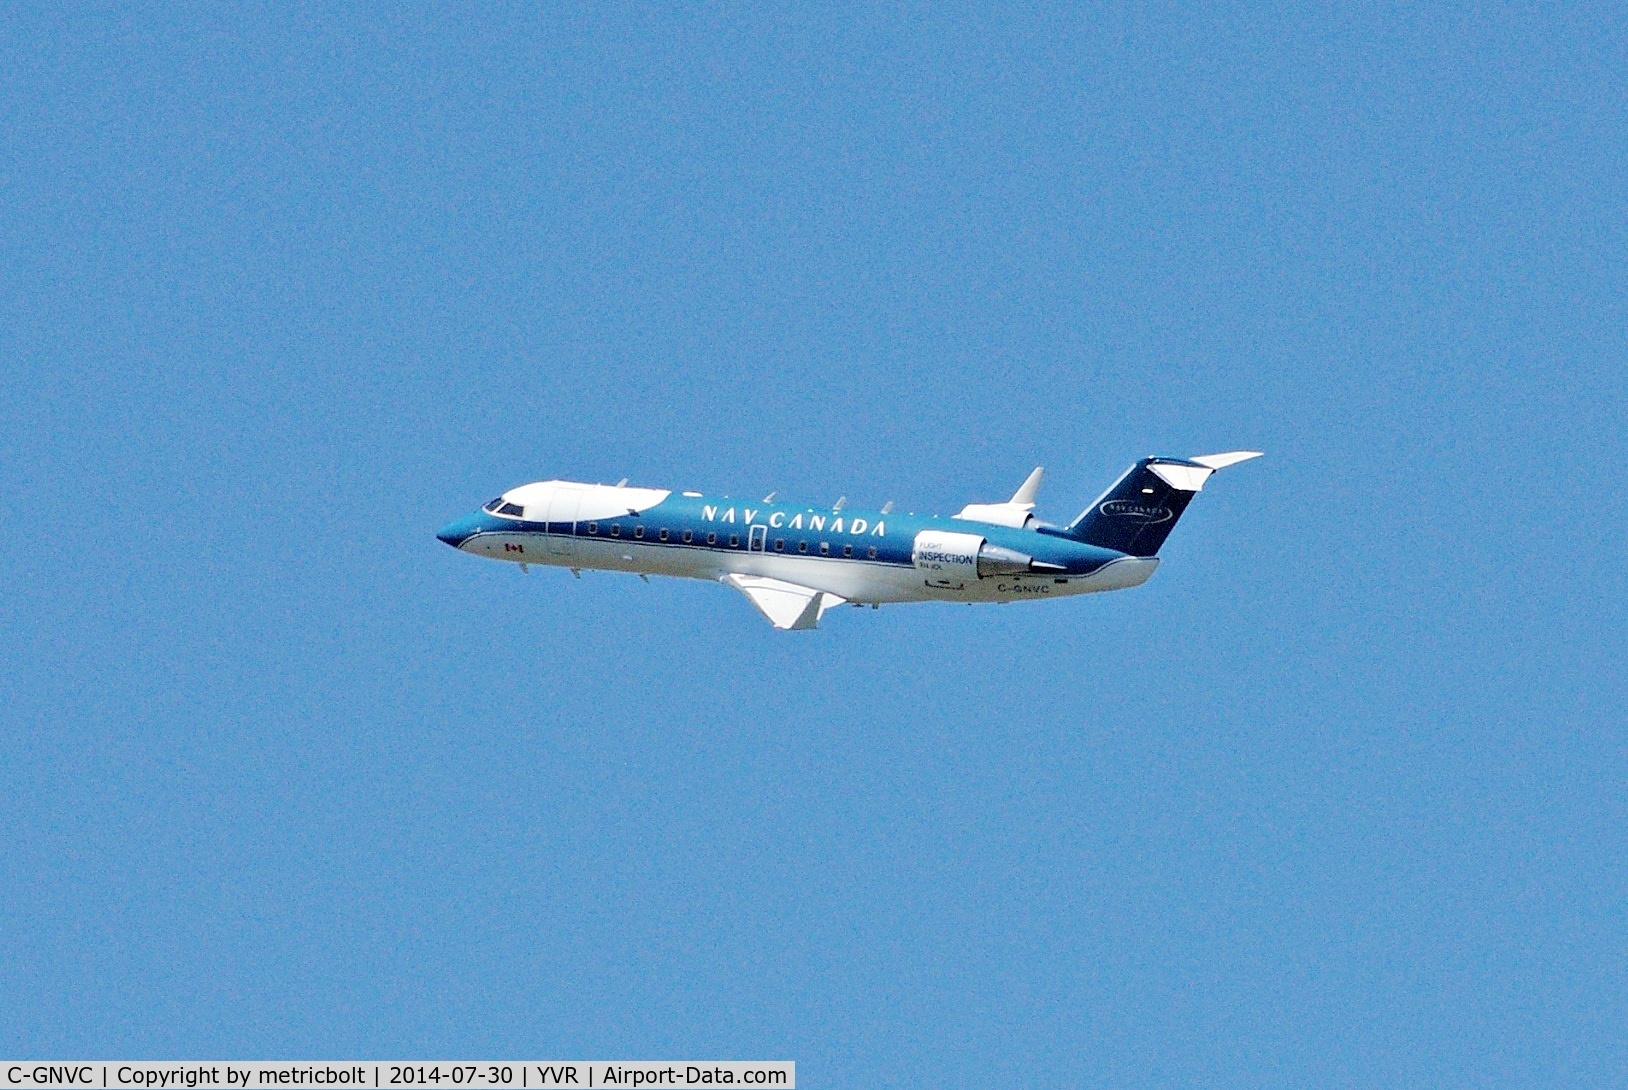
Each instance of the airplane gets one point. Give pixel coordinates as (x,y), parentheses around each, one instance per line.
(795,562)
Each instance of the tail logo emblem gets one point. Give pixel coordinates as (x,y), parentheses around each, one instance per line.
(1141,512)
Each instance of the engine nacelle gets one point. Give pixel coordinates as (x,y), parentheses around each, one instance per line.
(947,557)
(997,560)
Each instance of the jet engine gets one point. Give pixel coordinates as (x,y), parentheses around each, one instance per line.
(947,556)
(996,560)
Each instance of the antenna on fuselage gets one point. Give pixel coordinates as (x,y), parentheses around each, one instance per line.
(621,482)
(770,497)
(841,502)
(887,508)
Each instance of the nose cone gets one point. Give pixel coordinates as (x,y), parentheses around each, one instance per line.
(456,533)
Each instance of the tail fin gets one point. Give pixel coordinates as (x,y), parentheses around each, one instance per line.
(1138,512)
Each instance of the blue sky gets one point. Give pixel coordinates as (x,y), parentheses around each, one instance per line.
(1337,799)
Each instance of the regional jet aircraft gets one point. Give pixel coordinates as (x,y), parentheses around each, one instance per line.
(795,562)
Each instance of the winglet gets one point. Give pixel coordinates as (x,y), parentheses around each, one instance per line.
(1016,512)
(1026,491)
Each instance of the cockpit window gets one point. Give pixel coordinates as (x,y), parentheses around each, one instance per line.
(512,509)
(492,505)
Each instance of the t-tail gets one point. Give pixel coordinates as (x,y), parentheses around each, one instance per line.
(1138,512)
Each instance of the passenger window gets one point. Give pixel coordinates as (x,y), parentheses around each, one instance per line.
(616,529)
(593,528)
(734,541)
(779,544)
(662,534)
(638,531)
(712,539)
(688,537)
(825,548)
(802,546)
(871,552)
(847,550)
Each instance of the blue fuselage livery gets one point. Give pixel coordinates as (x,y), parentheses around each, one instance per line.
(794,562)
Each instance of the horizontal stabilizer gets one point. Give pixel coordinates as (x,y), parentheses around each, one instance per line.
(786,605)
(1183,478)
(1222,461)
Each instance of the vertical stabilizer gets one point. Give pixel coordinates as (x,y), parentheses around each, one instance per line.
(1138,512)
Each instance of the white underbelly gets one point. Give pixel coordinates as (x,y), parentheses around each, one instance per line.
(855,580)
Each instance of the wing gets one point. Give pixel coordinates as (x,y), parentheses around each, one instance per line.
(787,605)
(1016,512)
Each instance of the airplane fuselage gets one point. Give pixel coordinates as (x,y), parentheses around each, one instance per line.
(862,556)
